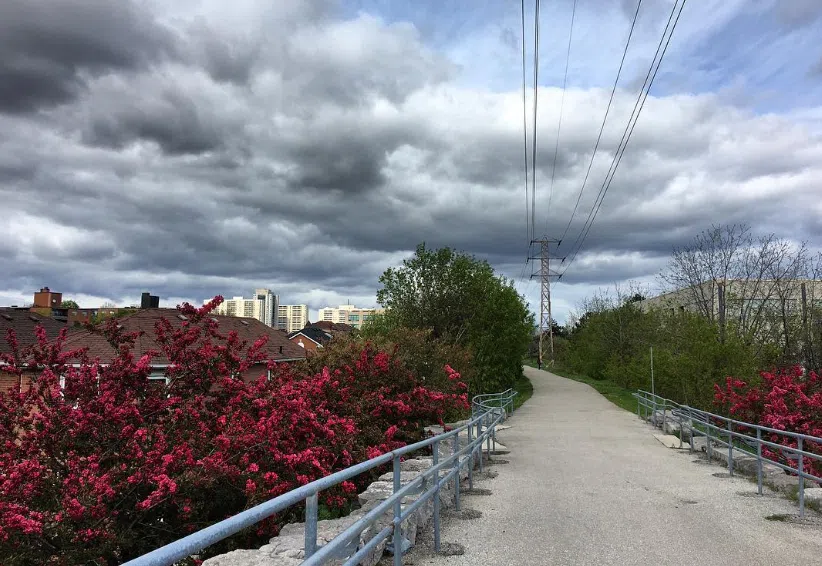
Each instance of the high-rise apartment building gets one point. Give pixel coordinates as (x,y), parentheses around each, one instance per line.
(262,306)
(348,314)
(292,317)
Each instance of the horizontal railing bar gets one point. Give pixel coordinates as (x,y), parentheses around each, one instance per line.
(754,441)
(797,435)
(207,536)
(369,546)
(327,551)
(701,417)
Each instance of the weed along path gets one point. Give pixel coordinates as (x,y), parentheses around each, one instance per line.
(586,483)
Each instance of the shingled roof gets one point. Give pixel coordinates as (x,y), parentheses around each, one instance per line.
(277,348)
(24,323)
(314,334)
(332,327)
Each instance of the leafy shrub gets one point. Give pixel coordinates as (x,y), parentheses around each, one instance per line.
(786,399)
(109,465)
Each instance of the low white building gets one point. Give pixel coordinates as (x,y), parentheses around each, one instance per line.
(348,314)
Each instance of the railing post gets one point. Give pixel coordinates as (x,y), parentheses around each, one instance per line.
(457,476)
(759,460)
(637,406)
(479,442)
(436,496)
(488,436)
(471,458)
(397,515)
(691,429)
(664,413)
(800,469)
(730,448)
(708,427)
(311,524)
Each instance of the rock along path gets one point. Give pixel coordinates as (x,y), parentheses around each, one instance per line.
(587,483)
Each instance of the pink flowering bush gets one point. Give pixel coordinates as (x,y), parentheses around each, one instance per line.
(99,465)
(786,399)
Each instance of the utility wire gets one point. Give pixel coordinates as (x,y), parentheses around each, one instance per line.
(525,140)
(602,128)
(534,136)
(559,123)
(629,129)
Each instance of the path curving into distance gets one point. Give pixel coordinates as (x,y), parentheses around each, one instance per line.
(587,484)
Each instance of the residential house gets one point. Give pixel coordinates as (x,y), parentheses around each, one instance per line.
(24,323)
(332,328)
(278,347)
(310,339)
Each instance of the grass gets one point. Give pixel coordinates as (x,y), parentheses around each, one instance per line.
(524,389)
(616,394)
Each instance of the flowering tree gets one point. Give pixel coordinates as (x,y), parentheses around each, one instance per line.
(786,399)
(99,465)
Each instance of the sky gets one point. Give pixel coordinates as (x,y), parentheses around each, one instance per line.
(201,147)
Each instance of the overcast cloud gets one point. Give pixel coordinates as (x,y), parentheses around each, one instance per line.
(202,147)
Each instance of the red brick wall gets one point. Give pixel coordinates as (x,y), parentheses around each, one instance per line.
(9,381)
(309,345)
(47,299)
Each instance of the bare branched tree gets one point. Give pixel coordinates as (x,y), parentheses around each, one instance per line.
(746,283)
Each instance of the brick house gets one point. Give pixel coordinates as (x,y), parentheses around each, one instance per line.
(23,322)
(332,328)
(278,347)
(310,339)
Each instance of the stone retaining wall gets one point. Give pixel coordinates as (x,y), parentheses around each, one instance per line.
(772,476)
(287,549)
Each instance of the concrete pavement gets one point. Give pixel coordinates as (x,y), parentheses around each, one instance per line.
(588,484)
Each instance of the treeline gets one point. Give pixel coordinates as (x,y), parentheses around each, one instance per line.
(444,306)
(737,305)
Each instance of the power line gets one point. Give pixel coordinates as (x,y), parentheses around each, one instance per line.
(534,136)
(629,129)
(525,123)
(559,122)
(602,128)
(525,142)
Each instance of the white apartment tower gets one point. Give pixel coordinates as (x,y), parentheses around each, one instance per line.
(348,314)
(292,317)
(262,306)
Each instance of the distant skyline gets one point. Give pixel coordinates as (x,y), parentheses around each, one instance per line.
(198,147)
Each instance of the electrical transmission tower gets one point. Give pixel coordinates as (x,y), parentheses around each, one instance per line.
(545,274)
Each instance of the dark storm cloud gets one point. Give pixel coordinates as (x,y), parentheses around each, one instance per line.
(308,154)
(48,47)
(172,120)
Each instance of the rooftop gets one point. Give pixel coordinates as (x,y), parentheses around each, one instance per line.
(24,322)
(278,346)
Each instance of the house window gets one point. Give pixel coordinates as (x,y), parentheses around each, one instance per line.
(157,377)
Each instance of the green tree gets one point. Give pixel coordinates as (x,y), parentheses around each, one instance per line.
(460,300)
(69,304)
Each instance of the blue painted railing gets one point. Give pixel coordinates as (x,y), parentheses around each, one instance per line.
(487,411)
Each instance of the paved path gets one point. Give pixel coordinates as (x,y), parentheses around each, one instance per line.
(588,484)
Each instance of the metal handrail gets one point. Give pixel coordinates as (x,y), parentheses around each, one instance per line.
(726,426)
(488,411)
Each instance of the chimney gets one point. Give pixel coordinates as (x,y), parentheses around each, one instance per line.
(46,299)
(149,301)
